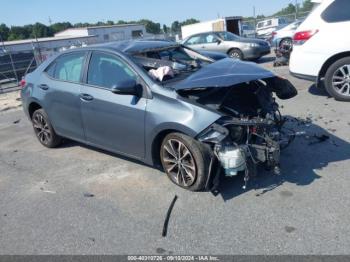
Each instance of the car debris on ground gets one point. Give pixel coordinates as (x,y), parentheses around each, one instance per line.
(167,217)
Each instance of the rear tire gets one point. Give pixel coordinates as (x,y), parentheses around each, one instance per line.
(236,53)
(185,161)
(337,80)
(286,42)
(44,130)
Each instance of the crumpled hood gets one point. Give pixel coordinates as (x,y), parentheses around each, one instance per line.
(224,73)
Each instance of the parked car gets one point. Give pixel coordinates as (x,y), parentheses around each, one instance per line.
(163,104)
(284,36)
(228,43)
(321,51)
(265,28)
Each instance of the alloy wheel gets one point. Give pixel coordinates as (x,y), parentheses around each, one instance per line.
(287,43)
(41,128)
(179,163)
(341,80)
(235,55)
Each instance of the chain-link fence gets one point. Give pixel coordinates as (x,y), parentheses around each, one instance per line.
(14,65)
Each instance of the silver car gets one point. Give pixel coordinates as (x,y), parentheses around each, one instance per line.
(231,44)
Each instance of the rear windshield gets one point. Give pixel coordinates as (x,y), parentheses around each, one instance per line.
(338,11)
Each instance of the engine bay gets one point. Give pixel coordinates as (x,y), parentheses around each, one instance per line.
(251,132)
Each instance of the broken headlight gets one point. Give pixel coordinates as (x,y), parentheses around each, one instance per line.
(213,134)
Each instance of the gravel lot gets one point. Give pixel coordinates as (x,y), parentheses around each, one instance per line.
(45,206)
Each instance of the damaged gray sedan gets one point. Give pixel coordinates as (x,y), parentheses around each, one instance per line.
(163,104)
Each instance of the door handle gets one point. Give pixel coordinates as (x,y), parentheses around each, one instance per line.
(86,97)
(44,87)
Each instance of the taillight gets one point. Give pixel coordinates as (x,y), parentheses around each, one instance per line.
(274,33)
(301,37)
(22,83)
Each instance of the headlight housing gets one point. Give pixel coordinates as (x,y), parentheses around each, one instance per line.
(254,45)
(213,134)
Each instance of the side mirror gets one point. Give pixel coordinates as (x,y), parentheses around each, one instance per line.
(127,87)
(218,41)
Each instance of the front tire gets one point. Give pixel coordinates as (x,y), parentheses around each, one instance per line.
(44,130)
(185,161)
(236,53)
(337,80)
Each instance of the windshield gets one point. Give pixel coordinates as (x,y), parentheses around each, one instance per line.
(170,64)
(227,36)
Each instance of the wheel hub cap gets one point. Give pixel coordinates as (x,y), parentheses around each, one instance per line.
(341,80)
(179,163)
(41,128)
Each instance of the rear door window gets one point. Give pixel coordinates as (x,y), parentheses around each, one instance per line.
(338,11)
(67,67)
(210,38)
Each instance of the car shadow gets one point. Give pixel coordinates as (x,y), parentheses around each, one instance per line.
(318,91)
(299,162)
(266,59)
(71,143)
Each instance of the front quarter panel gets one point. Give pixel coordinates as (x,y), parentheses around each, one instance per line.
(169,111)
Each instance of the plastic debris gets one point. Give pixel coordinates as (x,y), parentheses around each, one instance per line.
(166,222)
(88,195)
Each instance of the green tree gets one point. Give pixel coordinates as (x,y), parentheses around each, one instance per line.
(165,29)
(189,22)
(40,30)
(4,32)
(58,27)
(121,22)
(290,9)
(175,27)
(20,32)
(151,27)
(79,25)
(307,6)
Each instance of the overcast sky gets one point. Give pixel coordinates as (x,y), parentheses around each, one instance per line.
(20,12)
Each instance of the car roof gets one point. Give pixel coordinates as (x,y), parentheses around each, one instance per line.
(136,46)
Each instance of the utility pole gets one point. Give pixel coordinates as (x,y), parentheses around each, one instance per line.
(296,9)
(254,15)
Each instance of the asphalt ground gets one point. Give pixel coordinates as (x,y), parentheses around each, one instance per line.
(80,200)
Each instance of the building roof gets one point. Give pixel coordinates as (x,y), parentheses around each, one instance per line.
(108,26)
(44,39)
(97,27)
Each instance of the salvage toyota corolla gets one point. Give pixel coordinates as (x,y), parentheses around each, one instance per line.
(164,104)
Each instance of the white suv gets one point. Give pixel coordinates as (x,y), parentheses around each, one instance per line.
(321,51)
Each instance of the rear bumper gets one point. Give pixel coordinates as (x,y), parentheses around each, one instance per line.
(304,77)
